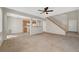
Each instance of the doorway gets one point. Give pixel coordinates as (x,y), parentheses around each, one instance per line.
(73,25)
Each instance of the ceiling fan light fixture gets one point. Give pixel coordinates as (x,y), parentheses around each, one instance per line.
(45,10)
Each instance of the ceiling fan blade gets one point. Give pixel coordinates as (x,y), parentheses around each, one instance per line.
(46,8)
(50,10)
(40,10)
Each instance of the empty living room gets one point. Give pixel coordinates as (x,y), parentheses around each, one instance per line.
(39,29)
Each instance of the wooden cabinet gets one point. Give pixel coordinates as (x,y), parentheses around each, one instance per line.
(25,25)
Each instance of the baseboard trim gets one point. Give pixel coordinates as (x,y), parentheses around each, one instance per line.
(53,33)
(48,33)
(36,34)
(16,33)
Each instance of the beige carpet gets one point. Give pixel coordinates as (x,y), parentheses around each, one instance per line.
(41,43)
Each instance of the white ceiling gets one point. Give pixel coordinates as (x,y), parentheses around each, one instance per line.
(34,10)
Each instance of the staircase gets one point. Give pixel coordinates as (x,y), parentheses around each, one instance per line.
(59,24)
(62,20)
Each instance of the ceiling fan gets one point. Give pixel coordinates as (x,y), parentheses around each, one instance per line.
(45,10)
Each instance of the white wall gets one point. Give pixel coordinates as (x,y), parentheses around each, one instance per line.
(44,25)
(78,20)
(15,25)
(0,20)
(0,26)
(53,28)
(37,29)
(78,25)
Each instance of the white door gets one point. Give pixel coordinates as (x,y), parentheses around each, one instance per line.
(73,25)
